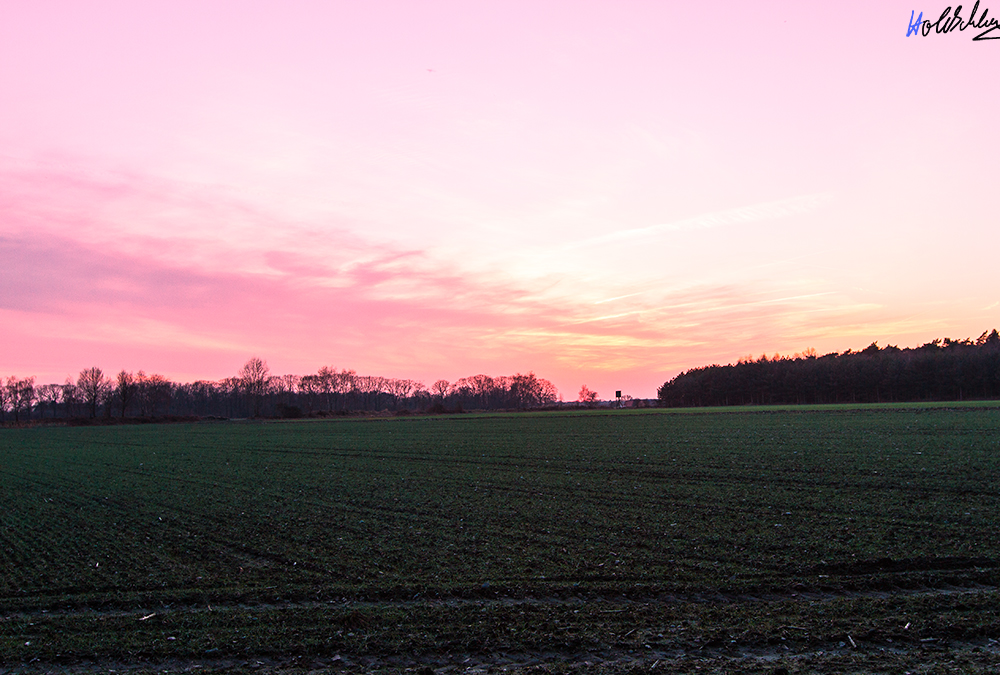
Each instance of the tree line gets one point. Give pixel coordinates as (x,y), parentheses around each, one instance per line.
(940,370)
(255,392)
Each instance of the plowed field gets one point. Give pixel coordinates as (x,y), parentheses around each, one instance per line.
(821,540)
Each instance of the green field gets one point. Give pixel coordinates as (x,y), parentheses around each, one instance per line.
(817,540)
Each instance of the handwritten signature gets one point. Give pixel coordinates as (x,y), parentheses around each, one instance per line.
(949,21)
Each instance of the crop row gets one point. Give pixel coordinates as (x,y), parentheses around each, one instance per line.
(644,501)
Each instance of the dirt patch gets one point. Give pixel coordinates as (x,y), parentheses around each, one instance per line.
(848,633)
(956,657)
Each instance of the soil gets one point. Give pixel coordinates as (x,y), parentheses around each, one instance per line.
(875,653)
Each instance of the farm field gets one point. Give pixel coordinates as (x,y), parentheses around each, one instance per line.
(833,539)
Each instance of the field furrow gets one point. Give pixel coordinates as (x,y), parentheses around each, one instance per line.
(662,533)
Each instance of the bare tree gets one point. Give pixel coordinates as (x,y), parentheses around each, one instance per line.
(70,398)
(399,389)
(152,392)
(330,383)
(290,383)
(528,391)
(49,394)
(201,396)
(547,392)
(420,396)
(285,387)
(125,389)
(522,390)
(483,388)
(19,395)
(254,376)
(27,394)
(462,388)
(370,387)
(309,387)
(161,392)
(326,382)
(440,388)
(587,396)
(93,387)
(230,389)
(503,386)
(345,382)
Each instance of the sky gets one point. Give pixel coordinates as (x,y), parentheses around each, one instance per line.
(603,193)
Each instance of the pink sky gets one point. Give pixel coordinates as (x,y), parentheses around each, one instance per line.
(603,193)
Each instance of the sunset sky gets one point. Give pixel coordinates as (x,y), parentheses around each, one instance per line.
(604,193)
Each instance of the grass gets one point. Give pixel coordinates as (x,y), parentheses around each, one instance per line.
(570,533)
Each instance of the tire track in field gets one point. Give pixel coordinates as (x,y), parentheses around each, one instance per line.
(591,469)
(614,649)
(981,655)
(564,595)
(198,519)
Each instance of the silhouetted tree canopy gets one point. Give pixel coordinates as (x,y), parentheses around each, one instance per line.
(255,392)
(940,370)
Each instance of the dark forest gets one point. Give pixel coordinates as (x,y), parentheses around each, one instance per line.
(940,370)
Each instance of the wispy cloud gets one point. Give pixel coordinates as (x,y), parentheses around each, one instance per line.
(618,297)
(744,214)
(397,313)
(133,270)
